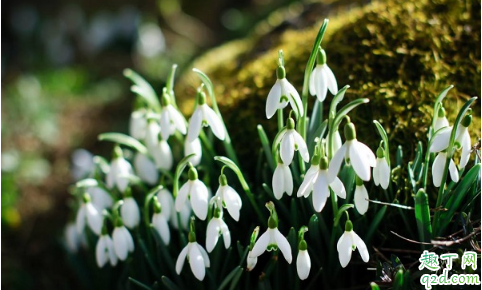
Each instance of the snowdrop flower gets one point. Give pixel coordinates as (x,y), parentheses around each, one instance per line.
(348,243)
(123,242)
(251,261)
(216,227)
(146,169)
(197,192)
(282,180)
(196,255)
(104,250)
(87,211)
(171,119)
(130,213)
(322,78)
(163,155)
(193,147)
(101,199)
(228,197)
(272,239)
(82,164)
(152,135)
(73,239)
(381,172)
(159,222)
(355,153)
(119,170)
(204,116)
(303,261)
(164,196)
(440,121)
(291,141)
(281,93)
(361,196)
(438,167)
(138,124)
(316,180)
(184,216)
(337,141)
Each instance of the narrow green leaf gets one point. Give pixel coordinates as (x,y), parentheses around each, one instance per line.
(346,109)
(266,146)
(276,141)
(140,284)
(234,282)
(399,156)
(375,223)
(337,99)
(88,182)
(437,103)
(422,216)
(143,89)
(229,277)
(169,284)
(384,136)
(314,229)
(170,82)
(340,212)
(179,169)
(125,140)
(374,286)
(398,282)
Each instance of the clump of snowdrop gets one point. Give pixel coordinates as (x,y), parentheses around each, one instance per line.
(322,78)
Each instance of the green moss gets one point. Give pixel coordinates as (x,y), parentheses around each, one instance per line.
(399,54)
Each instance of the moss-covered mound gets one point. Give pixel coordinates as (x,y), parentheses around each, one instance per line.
(400,54)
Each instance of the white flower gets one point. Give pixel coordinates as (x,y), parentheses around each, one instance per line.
(204,116)
(337,141)
(229,198)
(361,197)
(184,216)
(87,211)
(130,213)
(171,120)
(316,180)
(123,243)
(193,147)
(197,192)
(355,153)
(167,201)
(73,239)
(152,135)
(281,93)
(104,251)
(197,257)
(83,164)
(282,181)
(159,222)
(438,167)
(381,172)
(138,124)
(292,141)
(146,169)
(251,262)
(269,240)
(119,170)
(348,243)
(303,264)
(162,155)
(101,199)
(440,122)
(216,227)
(322,78)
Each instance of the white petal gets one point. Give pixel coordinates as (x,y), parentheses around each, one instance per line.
(278,181)
(165,124)
(454,172)
(466,147)
(212,234)
(72,238)
(438,167)
(368,154)
(288,180)
(320,192)
(332,85)
(260,245)
(193,147)
(80,219)
(214,122)
(160,224)
(359,162)
(196,261)
(110,178)
(111,251)
(205,256)
(251,262)
(137,125)
(167,202)
(128,239)
(441,141)
(303,264)
(181,259)
(120,243)
(199,199)
(384,173)
(376,172)
(338,188)
(344,249)
(101,252)
(335,163)
(163,155)
(312,82)
(287,148)
(361,196)
(283,245)
(362,248)
(337,141)
(226,234)
(146,169)
(130,213)
(273,100)
(100,198)
(195,124)
(321,87)
(293,96)
(152,135)
(307,184)
(440,123)
(177,119)
(301,144)
(94,218)
(232,201)
(124,169)
(182,195)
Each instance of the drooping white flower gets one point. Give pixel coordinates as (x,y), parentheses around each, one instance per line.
(348,243)
(228,198)
(361,196)
(282,180)
(316,180)
(272,239)
(251,262)
(281,94)
(292,141)
(146,169)
(73,239)
(193,147)
(159,222)
(381,172)
(87,211)
(204,116)
(163,155)
(322,78)
(119,170)
(130,213)
(197,257)
(171,119)
(359,155)
(337,141)
(303,264)
(164,196)
(138,124)
(216,227)
(152,135)
(104,251)
(197,192)
(123,242)
(440,121)
(82,164)
(438,167)
(101,199)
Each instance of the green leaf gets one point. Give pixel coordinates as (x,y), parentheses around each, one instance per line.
(179,169)
(230,277)
(336,100)
(169,284)
(276,141)
(399,156)
(340,212)
(143,89)
(375,223)
(437,103)
(209,86)
(88,182)
(140,284)
(398,283)
(346,109)
(170,81)
(422,216)
(125,140)
(266,146)
(374,286)
(384,136)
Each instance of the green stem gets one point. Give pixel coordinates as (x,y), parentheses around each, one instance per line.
(280,119)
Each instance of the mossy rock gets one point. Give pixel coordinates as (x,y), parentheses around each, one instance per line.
(399,54)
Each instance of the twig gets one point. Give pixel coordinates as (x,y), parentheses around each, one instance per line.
(450,243)
(409,240)
(404,206)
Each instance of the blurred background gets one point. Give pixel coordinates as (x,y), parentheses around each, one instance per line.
(62,85)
